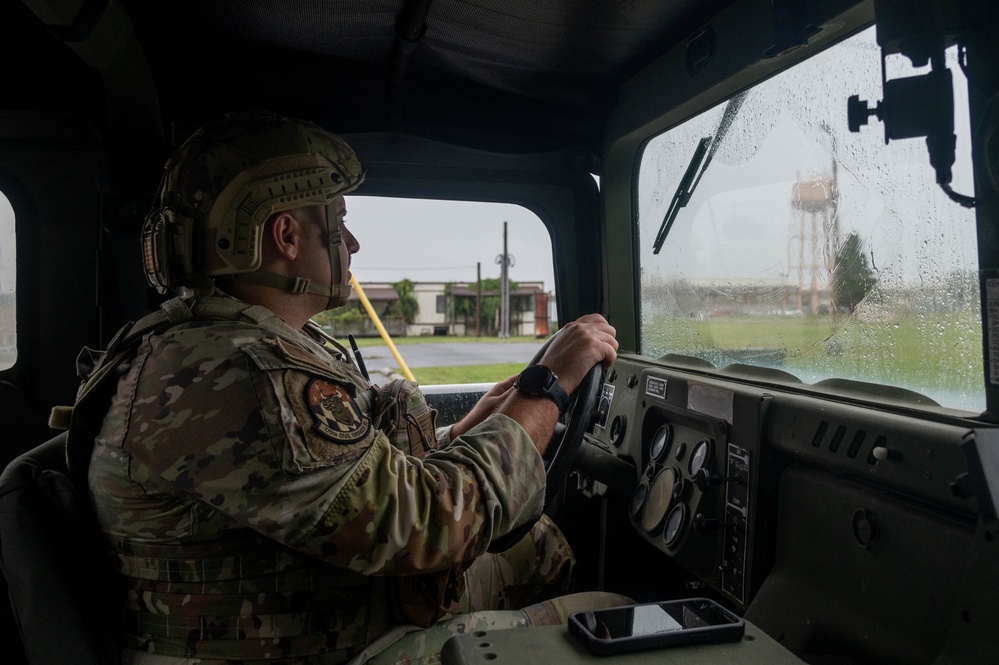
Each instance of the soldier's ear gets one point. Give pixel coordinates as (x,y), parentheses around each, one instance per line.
(285,233)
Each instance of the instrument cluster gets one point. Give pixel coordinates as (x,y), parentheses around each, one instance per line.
(694,447)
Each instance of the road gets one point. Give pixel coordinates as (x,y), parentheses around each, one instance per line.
(447,354)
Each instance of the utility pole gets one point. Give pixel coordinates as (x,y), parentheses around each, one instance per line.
(506,260)
(478,299)
(506,287)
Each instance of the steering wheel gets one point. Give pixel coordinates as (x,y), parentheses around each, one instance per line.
(564,445)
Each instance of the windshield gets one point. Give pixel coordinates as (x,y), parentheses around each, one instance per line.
(810,249)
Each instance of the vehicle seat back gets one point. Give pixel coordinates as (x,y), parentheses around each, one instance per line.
(65,596)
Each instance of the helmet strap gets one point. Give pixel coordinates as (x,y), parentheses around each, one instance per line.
(335,292)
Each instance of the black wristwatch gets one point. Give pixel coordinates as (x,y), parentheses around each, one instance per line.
(539,381)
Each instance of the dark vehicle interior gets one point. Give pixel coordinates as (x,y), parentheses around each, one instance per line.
(803,421)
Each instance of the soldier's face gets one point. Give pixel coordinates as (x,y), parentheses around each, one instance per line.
(348,243)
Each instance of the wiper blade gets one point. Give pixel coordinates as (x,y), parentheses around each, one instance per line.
(684,190)
(698,165)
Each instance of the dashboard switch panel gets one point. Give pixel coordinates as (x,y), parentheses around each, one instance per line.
(736,522)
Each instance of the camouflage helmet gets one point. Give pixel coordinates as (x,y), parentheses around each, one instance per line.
(224,182)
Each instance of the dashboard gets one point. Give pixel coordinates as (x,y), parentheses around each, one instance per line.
(799,506)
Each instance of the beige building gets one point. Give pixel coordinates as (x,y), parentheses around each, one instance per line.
(448,308)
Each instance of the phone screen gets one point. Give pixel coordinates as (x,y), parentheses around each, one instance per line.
(656,625)
(621,622)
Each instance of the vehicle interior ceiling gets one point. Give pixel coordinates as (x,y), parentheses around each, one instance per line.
(850,521)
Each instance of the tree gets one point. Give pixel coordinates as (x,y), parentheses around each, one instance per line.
(852,277)
(465,306)
(406,306)
(349,317)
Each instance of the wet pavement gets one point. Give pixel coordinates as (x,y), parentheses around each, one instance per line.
(447,354)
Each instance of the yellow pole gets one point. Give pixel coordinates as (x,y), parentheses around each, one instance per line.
(381,328)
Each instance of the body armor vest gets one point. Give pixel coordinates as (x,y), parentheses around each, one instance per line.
(244,597)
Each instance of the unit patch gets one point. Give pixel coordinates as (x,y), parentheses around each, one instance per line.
(334,414)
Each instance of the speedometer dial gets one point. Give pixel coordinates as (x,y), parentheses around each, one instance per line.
(658,500)
(701,457)
(661,443)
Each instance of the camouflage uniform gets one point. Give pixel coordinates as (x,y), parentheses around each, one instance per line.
(258,512)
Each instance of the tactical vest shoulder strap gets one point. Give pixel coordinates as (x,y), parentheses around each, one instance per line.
(100,373)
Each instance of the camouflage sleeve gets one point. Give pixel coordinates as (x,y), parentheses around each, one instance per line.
(398,514)
(285,447)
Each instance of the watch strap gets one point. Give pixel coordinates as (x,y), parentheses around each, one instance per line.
(557,395)
(540,381)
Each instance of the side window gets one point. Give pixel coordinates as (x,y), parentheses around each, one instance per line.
(8,315)
(431,274)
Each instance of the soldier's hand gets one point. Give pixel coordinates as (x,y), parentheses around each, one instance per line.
(484,407)
(578,347)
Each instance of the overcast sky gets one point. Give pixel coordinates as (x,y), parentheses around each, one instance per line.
(431,241)
(6,246)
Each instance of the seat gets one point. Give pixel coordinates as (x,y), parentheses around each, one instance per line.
(65,597)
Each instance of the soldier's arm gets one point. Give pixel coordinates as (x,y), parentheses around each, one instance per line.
(269,444)
(573,352)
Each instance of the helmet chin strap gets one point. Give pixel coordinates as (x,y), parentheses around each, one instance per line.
(335,292)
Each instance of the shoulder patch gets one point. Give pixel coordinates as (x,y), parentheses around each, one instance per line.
(334,414)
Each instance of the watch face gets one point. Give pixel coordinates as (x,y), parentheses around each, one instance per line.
(534,380)
(539,381)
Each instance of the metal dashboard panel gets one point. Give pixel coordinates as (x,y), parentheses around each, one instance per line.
(768,492)
(705,486)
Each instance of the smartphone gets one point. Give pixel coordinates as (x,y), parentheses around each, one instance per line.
(616,630)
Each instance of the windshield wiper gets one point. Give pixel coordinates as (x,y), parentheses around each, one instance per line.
(698,165)
(684,190)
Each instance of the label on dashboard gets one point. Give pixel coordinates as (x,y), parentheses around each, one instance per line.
(655,386)
(710,401)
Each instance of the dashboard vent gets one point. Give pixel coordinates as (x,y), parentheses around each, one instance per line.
(840,435)
(820,432)
(858,441)
(837,439)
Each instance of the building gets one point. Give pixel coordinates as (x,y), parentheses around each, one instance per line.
(448,308)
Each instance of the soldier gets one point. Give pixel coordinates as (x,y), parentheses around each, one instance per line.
(263,501)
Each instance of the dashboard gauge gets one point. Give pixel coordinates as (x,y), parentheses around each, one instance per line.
(638,500)
(674,524)
(679,489)
(701,457)
(661,442)
(618,427)
(681,449)
(659,498)
(603,409)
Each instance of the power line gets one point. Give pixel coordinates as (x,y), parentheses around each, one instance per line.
(359,267)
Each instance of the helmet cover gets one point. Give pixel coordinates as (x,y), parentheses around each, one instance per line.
(224,182)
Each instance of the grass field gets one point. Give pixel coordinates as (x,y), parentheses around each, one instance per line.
(930,353)
(936,354)
(427,376)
